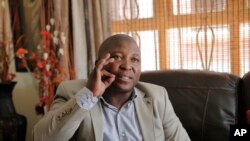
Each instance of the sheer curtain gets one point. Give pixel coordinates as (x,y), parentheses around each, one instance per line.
(90,26)
(5,33)
(62,17)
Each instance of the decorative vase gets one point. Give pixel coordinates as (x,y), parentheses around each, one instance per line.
(12,125)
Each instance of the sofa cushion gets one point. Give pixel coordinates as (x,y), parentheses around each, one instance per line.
(205,101)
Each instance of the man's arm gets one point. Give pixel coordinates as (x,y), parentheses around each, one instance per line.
(68,110)
(61,122)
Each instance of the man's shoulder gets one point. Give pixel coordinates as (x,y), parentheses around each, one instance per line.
(149,85)
(72,85)
(149,88)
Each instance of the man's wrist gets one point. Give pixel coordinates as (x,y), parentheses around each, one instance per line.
(85,99)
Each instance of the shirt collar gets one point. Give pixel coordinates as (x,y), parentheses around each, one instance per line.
(132,98)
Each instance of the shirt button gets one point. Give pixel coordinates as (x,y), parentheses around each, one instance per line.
(123,134)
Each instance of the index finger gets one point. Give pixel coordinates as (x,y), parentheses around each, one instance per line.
(104,61)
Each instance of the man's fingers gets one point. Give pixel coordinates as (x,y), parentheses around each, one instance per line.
(107,74)
(107,78)
(109,81)
(104,61)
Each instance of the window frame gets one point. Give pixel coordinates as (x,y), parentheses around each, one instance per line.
(163,11)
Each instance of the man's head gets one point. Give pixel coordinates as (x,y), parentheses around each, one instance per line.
(127,61)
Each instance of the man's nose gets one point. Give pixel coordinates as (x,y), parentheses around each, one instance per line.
(126,65)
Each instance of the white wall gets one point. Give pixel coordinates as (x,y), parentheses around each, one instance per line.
(25,97)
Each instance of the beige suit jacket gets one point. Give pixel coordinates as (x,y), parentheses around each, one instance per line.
(67,121)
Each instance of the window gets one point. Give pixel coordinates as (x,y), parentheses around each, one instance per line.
(181,7)
(244,47)
(188,49)
(149,50)
(131,9)
(188,34)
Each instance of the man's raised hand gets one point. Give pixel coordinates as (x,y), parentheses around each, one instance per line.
(99,78)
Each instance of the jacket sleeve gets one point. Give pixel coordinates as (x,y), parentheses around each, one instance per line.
(173,129)
(64,118)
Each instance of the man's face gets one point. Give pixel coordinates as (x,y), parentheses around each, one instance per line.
(126,66)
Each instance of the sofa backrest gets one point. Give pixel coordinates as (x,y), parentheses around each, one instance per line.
(206,102)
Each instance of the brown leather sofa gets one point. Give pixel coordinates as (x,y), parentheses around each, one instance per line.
(206,102)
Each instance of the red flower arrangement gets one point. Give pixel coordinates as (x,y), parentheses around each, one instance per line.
(46,64)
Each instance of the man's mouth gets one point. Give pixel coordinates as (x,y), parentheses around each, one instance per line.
(124,77)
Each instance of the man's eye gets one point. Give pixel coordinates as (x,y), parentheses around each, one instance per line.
(116,57)
(135,60)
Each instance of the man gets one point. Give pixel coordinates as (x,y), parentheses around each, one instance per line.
(112,105)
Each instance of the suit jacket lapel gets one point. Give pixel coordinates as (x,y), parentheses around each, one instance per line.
(96,114)
(144,111)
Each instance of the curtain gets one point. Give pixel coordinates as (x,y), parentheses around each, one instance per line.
(84,23)
(98,27)
(5,23)
(79,39)
(91,25)
(62,17)
(6,42)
